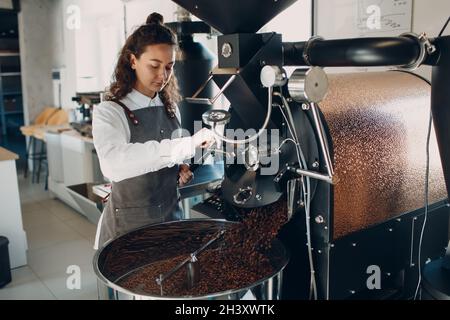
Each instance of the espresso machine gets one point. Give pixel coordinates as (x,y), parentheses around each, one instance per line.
(82,119)
(364,173)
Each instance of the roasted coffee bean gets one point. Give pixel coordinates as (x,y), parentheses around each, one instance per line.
(237,260)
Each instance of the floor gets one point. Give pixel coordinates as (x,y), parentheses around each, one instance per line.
(58,238)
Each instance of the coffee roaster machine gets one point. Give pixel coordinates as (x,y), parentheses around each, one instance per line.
(351,155)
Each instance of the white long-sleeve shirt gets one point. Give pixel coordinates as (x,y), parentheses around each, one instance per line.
(120,159)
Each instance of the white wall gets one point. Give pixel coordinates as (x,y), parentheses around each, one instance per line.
(97,43)
(64,49)
(294,23)
(429,17)
(46,44)
(139,10)
(36,53)
(87,56)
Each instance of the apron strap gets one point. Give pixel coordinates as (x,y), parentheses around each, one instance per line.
(128,112)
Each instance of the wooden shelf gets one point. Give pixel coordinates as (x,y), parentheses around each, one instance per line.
(10,74)
(10,89)
(12,93)
(13,113)
(9,54)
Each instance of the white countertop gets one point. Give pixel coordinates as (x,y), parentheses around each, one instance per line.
(66,130)
(75,134)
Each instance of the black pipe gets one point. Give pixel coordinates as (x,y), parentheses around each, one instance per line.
(293,53)
(440,104)
(359,52)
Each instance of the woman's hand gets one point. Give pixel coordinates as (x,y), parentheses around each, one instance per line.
(204,138)
(185,175)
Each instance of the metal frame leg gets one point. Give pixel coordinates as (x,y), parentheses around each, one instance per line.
(46,176)
(40,156)
(33,158)
(27,155)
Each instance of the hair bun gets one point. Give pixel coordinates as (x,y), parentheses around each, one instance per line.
(155,18)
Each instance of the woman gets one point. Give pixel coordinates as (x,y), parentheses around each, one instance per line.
(133,134)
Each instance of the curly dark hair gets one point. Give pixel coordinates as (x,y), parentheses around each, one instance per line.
(153,32)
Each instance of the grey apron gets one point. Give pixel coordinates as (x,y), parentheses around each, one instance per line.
(152,197)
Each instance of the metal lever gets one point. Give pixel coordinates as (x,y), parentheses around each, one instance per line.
(208,101)
(294,193)
(193,273)
(191,263)
(212,152)
(314,175)
(330,177)
(322,140)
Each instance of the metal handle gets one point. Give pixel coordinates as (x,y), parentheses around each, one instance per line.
(293,195)
(209,101)
(190,263)
(314,175)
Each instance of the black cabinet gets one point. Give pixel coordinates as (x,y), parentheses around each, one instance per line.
(11,105)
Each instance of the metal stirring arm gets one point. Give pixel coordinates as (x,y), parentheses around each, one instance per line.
(190,263)
(213,150)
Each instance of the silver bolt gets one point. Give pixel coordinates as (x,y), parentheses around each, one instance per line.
(227,50)
(258,197)
(415,218)
(388,274)
(289,100)
(319,251)
(315,164)
(352,291)
(332,245)
(305,106)
(390,229)
(326,228)
(319,219)
(354,244)
(399,220)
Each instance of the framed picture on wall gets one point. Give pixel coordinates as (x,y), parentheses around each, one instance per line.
(362,18)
